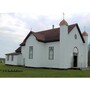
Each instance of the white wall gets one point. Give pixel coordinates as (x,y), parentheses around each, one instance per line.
(63,51)
(52,63)
(63,63)
(14,62)
(71,43)
(40,53)
(23,50)
(17,60)
(85,53)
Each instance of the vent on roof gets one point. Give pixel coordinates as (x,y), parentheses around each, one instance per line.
(52,26)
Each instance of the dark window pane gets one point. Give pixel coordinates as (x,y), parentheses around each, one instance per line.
(51,53)
(30,52)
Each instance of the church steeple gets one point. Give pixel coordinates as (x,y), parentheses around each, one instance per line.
(63,22)
(63,30)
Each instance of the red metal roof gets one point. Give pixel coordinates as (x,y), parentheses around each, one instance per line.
(51,35)
(63,22)
(18,50)
(14,53)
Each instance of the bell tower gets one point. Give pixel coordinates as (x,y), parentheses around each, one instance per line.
(85,35)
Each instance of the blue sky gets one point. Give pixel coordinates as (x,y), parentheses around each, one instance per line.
(18,17)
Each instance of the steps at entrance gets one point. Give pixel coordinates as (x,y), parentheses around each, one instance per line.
(76,68)
(85,68)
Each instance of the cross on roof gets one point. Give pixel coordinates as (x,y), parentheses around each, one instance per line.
(63,15)
(84,28)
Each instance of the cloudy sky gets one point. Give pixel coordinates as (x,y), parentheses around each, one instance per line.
(18,17)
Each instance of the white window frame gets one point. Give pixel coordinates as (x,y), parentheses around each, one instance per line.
(7,57)
(51,53)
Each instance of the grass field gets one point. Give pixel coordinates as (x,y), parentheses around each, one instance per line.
(15,71)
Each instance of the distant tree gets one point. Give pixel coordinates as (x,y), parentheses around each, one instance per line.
(89,47)
(89,54)
(88,58)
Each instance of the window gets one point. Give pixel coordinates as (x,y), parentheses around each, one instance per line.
(7,57)
(30,52)
(75,36)
(12,57)
(51,53)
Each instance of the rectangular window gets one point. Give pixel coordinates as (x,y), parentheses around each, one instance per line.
(12,57)
(7,57)
(51,53)
(30,52)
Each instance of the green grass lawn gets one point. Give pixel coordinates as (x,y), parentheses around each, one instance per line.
(15,71)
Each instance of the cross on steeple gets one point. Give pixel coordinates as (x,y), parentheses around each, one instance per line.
(84,28)
(63,15)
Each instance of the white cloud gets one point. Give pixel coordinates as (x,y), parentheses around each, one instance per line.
(12,32)
(45,7)
(13,27)
(18,16)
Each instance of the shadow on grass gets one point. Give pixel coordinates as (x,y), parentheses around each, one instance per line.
(10,70)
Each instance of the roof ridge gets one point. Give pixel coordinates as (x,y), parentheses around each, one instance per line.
(54,28)
(48,30)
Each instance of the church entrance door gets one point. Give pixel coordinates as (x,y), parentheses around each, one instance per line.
(74,61)
(75,57)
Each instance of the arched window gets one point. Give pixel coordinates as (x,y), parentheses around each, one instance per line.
(75,50)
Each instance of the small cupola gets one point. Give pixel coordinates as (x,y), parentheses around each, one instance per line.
(63,22)
(85,33)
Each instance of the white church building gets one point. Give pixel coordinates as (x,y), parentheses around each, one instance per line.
(63,47)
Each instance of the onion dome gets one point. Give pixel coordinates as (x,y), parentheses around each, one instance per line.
(63,22)
(85,33)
